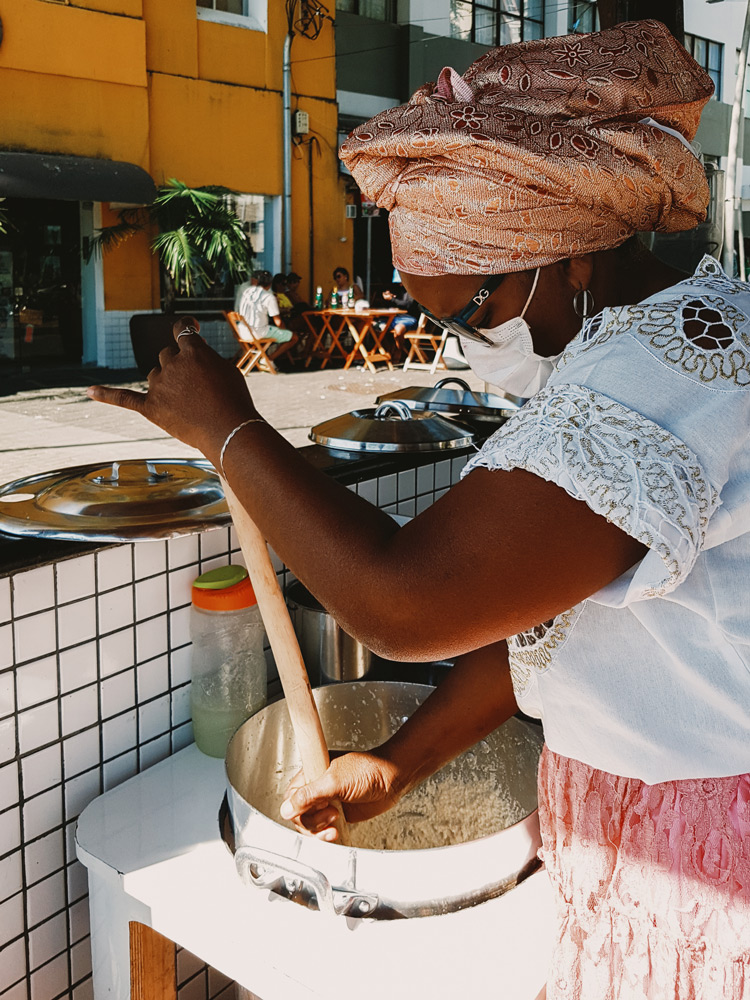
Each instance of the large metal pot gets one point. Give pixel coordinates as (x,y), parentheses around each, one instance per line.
(391,427)
(330,653)
(462,401)
(262,759)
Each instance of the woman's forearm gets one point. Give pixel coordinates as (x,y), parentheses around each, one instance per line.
(431,589)
(474,699)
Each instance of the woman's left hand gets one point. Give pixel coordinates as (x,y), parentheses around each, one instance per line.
(193,393)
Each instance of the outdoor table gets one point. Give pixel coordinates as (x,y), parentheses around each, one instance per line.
(360,324)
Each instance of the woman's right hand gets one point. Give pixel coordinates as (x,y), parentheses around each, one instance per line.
(193,393)
(366,784)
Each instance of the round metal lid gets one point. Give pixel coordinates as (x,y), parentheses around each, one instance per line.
(461,401)
(391,427)
(137,500)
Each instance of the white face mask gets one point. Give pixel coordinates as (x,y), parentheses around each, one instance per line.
(510,363)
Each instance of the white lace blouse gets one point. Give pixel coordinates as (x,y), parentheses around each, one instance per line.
(647,420)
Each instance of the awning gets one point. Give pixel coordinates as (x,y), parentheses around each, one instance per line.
(73,178)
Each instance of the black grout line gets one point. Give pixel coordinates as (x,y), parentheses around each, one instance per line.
(136,706)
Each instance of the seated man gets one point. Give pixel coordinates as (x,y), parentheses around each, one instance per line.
(257,304)
(396,297)
(278,287)
(294,294)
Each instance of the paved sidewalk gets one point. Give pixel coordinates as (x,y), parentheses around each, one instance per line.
(53,428)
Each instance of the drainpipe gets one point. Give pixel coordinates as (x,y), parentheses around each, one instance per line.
(733,151)
(286,208)
(312,222)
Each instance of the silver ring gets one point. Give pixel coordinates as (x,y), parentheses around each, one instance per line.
(187,331)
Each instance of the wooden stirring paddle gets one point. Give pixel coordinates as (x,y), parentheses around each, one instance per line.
(303,711)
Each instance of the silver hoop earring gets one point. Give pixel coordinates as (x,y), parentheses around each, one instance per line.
(583,303)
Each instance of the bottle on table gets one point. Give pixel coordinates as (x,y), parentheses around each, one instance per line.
(350,299)
(334,299)
(228,664)
(319,297)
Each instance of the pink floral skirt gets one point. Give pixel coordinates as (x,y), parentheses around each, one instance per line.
(652,884)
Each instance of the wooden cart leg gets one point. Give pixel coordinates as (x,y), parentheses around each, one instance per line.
(152,965)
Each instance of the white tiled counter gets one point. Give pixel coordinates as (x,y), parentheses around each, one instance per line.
(94,688)
(155,856)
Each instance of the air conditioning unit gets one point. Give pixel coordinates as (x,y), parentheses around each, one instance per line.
(351,211)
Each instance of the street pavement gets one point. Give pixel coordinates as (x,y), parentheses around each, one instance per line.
(43,429)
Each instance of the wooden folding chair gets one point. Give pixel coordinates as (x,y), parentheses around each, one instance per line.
(423,340)
(254,348)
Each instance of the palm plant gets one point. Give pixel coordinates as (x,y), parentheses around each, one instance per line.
(200,239)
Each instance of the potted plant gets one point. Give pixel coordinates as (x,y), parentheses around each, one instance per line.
(200,243)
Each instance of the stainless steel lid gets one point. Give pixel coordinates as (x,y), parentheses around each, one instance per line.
(391,427)
(141,499)
(461,401)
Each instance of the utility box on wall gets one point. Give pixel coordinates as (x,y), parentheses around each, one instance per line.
(300,123)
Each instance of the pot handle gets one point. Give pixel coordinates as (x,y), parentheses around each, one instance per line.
(393,407)
(452,379)
(287,876)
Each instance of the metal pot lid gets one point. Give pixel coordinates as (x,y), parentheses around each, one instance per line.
(391,427)
(142,499)
(461,401)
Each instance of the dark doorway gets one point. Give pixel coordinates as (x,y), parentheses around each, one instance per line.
(381,264)
(40,283)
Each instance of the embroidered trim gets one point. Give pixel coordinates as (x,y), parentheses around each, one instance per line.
(710,268)
(534,650)
(623,466)
(668,328)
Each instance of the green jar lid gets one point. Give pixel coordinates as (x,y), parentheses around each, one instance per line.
(221,578)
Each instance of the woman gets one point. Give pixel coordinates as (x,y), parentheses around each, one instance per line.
(621,488)
(344,287)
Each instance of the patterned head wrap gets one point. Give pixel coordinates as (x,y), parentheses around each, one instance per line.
(539,152)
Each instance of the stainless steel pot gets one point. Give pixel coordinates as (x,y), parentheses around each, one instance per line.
(262,759)
(460,402)
(391,427)
(330,653)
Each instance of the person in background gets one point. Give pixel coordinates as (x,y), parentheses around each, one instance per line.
(260,308)
(240,290)
(296,321)
(279,287)
(299,305)
(343,285)
(397,297)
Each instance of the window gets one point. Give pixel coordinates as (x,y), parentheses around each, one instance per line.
(583,17)
(238,7)
(497,22)
(251,14)
(378,10)
(709,55)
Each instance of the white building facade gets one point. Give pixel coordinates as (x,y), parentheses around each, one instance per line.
(386,48)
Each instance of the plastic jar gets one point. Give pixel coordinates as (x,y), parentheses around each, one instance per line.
(228,664)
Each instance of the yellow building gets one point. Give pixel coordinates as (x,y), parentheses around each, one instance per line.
(102,99)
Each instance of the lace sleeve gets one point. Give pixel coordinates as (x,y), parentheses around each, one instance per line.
(623,466)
